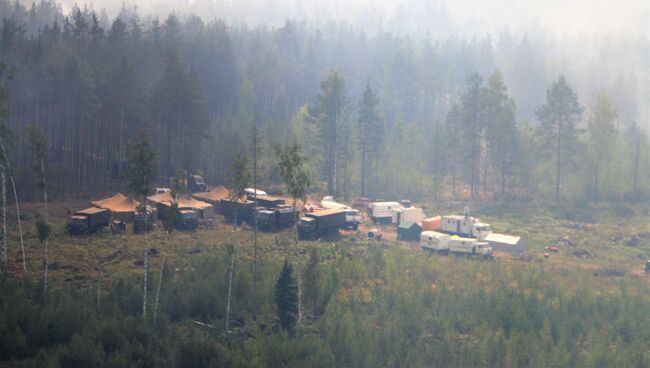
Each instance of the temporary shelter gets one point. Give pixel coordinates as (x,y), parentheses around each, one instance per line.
(164,202)
(409,231)
(120,206)
(506,243)
(213,196)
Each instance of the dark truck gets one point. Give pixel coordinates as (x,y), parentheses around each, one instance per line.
(88,221)
(241,210)
(274,218)
(322,223)
(195,184)
(142,222)
(186,220)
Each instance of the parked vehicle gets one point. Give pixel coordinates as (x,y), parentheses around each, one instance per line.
(317,224)
(252,191)
(186,220)
(374,233)
(195,184)
(361,203)
(162,190)
(647,266)
(241,210)
(435,242)
(352,216)
(469,246)
(284,216)
(408,214)
(142,222)
(444,244)
(265,218)
(382,212)
(88,221)
(466,226)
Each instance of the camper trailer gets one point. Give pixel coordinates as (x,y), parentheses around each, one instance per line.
(382,212)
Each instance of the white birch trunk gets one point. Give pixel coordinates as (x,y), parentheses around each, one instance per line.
(146,265)
(13,186)
(45,280)
(232,266)
(160,277)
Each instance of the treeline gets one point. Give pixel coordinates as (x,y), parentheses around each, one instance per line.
(377,308)
(380,115)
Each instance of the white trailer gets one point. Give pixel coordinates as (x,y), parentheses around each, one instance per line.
(383,211)
(352,216)
(465,226)
(435,242)
(469,246)
(409,214)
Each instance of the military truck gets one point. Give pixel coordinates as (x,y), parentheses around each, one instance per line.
(241,210)
(196,184)
(142,222)
(186,220)
(322,223)
(88,221)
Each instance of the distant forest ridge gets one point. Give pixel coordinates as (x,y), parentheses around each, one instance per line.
(90,83)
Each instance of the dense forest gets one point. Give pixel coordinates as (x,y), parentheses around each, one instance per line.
(379,114)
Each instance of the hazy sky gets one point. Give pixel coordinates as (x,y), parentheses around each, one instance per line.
(466,16)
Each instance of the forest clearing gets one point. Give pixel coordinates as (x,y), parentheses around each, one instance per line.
(289,183)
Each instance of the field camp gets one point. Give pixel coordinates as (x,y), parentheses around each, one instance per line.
(342,184)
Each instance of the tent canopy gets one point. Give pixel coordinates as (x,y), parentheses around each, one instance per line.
(184,202)
(215,195)
(117,203)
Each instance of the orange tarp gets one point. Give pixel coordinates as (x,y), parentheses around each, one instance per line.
(117,203)
(183,202)
(431,223)
(215,195)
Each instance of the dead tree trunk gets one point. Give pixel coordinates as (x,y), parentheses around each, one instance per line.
(232,266)
(13,186)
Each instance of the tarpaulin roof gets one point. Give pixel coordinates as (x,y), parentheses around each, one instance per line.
(183,202)
(90,211)
(117,203)
(215,194)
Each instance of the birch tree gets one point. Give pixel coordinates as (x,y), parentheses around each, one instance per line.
(38,147)
(140,174)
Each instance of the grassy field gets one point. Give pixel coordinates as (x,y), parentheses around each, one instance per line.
(605,241)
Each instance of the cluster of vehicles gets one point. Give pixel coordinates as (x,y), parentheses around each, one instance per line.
(461,235)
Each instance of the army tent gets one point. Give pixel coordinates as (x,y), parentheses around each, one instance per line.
(213,197)
(120,206)
(164,202)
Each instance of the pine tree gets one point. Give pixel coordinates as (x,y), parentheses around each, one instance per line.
(602,136)
(473,127)
(286,298)
(39,147)
(370,133)
(558,117)
(328,114)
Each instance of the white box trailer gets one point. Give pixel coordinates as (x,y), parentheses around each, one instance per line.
(409,214)
(435,242)
(382,211)
(469,246)
(466,226)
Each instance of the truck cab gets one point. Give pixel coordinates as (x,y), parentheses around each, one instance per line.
(352,218)
(306,228)
(265,218)
(469,247)
(88,221)
(186,220)
(481,230)
(196,183)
